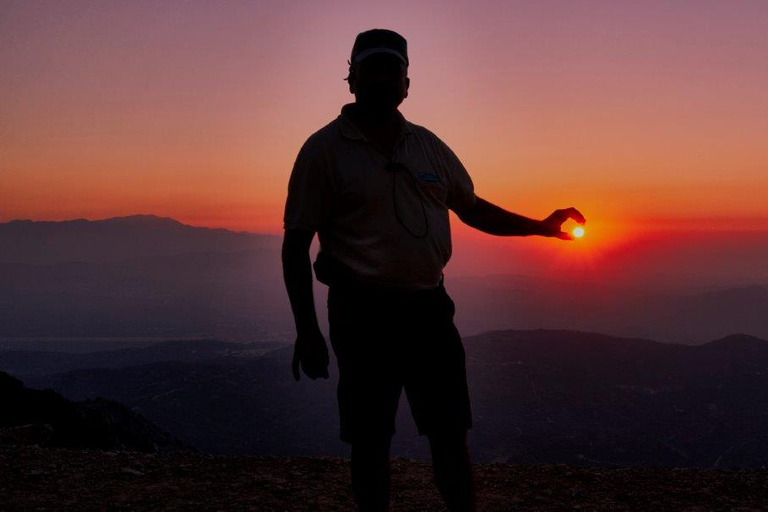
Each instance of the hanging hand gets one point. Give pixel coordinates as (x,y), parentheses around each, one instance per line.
(310,352)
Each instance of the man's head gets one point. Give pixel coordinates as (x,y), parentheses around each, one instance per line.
(378,69)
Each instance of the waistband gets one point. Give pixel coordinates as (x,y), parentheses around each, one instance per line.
(358,287)
(336,276)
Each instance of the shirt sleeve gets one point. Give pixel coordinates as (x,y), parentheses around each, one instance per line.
(461,189)
(310,190)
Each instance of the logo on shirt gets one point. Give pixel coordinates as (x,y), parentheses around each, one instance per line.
(429,177)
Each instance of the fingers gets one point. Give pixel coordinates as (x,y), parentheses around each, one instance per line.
(564,236)
(573,213)
(313,368)
(315,373)
(569,213)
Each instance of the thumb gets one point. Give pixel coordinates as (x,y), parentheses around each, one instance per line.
(564,236)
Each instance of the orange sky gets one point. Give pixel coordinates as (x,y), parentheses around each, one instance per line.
(644,115)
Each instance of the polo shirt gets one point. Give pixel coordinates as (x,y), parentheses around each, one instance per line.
(340,187)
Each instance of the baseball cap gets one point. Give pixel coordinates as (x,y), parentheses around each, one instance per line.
(379,40)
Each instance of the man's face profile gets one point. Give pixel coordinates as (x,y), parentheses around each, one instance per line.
(380,82)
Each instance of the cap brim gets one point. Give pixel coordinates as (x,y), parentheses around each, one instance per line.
(370,51)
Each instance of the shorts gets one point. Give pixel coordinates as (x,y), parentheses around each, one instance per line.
(386,340)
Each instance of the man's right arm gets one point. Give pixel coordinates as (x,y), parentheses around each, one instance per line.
(297,273)
(307,208)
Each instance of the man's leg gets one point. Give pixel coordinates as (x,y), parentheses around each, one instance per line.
(367,392)
(454,474)
(371,476)
(438,393)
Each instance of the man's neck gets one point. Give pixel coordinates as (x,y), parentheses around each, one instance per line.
(376,121)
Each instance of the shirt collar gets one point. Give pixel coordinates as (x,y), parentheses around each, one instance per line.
(351,131)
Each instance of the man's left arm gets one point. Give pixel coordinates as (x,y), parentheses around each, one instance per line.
(489,218)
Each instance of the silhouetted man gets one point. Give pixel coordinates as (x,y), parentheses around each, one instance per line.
(377,189)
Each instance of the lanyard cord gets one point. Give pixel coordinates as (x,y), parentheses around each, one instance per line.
(396,168)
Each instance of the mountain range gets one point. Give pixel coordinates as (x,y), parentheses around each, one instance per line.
(538,397)
(152,277)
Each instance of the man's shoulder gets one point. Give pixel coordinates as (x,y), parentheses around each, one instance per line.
(425,134)
(324,136)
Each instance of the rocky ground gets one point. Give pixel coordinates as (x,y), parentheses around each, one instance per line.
(42,478)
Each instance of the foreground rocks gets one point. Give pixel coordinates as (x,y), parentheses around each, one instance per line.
(43,478)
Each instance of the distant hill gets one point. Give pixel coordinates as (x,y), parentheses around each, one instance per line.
(43,417)
(140,276)
(570,396)
(682,316)
(538,397)
(743,344)
(117,239)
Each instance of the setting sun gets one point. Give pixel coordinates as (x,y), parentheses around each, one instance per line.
(578,232)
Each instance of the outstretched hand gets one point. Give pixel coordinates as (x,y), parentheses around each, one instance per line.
(310,352)
(552,224)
